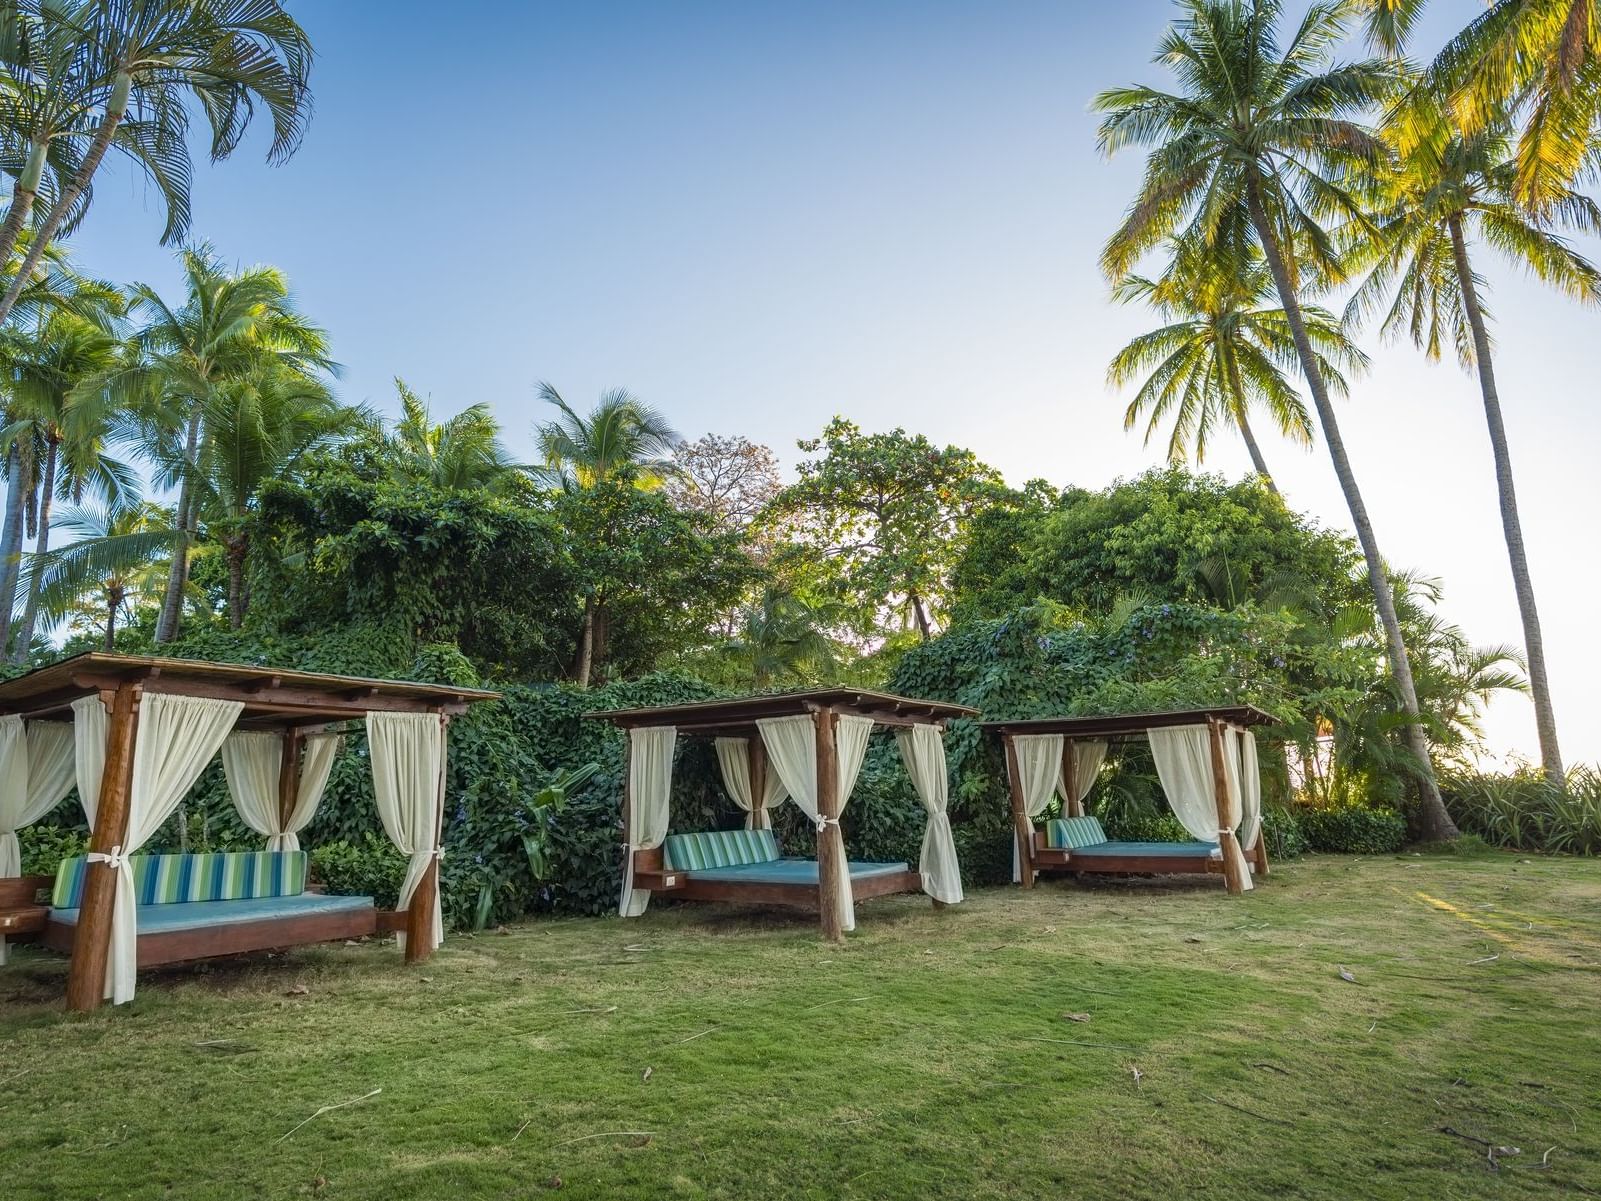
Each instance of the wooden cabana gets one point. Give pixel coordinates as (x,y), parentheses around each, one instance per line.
(133,733)
(1207,762)
(808,747)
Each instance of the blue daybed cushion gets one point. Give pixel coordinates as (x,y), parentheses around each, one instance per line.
(194,915)
(790,871)
(719,848)
(1085,838)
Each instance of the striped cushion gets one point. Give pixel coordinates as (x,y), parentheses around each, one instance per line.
(1068,833)
(719,848)
(177,879)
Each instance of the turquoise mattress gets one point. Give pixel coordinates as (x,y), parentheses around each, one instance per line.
(1151,850)
(789,871)
(193,915)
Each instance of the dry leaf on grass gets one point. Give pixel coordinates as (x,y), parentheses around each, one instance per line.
(1076,1017)
(1345,974)
(647,1074)
(298,990)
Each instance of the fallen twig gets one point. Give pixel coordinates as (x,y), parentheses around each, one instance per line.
(1250,1113)
(826,1004)
(693,1037)
(606,1134)
(520,1130)
(331,1108)
(1077,1042)
(1486,959)
(598,1009)
(1272,1067)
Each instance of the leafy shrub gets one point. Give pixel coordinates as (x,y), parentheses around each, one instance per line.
(1526,811)
(1282,830)
(1145,827)
(368,867)
(1353,830)
(44,847)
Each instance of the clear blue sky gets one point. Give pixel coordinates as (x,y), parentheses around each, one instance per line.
(756,217)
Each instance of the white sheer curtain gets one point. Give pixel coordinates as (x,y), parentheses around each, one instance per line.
(1183,757)
(1039,768)
(1250,786)
(177,736)
(650,791)
(90,725)
(35,774)
(408,766)
(792,752)
(733,754)
(1087,758)
(923,752)
(253,763)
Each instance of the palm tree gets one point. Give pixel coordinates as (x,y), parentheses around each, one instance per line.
(116,559)
(1223,351)
(50,108)
(73,431)
(1250,141)
(1441,196)
(458,454)
(151,59)
(622,438)
(1541,58)
(259,428)
(231,325)
(783,638)
(623,441)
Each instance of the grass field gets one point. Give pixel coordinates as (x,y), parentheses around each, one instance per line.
(709,1053)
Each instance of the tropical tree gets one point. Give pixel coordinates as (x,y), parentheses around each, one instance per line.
(622,438)
(622,444)
(783,637)
(1253,139)
(1441,198)
(1223,351)
(457,454)
(230,326)
(116,561)
(259,428)
(886,517)
(70,430)
(125,72)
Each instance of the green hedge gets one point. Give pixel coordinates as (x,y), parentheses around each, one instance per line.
(1353,830)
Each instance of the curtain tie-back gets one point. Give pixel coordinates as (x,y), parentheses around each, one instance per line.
(824,822)
(114,860)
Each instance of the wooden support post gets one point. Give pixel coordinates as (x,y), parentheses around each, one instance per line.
(1220,791)
(91,946)
(830,839)
(1022,828)
(1259,852)
(420,913)
(289,776)
(756,753)
(1074,807)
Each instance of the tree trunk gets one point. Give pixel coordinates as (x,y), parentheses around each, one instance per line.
(1511,523)
(1242,419)
(600,642)
(1435,823)
(10,543)
(237,549)
(41,547)
(116,109)
(113,603)
(920,615)
(23,194)
(178,571)
(586,644)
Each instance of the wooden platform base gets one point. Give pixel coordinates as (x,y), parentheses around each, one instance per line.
(790,896)
(233,938)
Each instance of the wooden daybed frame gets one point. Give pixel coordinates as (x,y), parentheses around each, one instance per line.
(292,703)
(737,718)
(1035,857)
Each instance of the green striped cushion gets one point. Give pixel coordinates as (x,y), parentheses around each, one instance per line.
(719,848)
(1066,833)
(176,879)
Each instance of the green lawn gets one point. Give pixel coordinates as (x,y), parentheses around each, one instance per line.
(1223,1055)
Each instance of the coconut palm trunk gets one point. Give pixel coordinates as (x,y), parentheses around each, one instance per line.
(41,547)
(586,644)
(116,109)
(238,549)
(113,603)
(11,542)
(23,193)
(1435,822)
(177,572)
(1511,523)
(1243,420)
